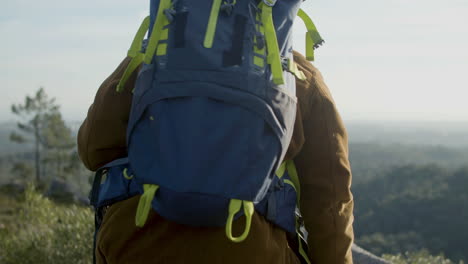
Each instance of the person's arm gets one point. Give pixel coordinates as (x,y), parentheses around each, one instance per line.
(102,136)
(324,171)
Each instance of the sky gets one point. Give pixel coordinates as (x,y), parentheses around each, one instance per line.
(383,60)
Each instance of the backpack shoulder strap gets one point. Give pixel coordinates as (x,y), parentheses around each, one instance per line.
(135,53)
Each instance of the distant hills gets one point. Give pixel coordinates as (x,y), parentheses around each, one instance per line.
(398,142)
(447,134)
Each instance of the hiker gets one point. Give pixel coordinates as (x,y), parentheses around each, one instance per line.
(315,164)
(319,148)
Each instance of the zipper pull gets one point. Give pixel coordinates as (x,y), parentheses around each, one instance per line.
(170,14)
(228,6)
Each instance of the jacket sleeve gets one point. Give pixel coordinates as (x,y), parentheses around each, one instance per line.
(102,136)
(324,171)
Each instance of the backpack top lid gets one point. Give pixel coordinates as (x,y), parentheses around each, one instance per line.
(178,10)
(219,35)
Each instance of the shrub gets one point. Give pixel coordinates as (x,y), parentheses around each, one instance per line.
(421,257)
(45,232)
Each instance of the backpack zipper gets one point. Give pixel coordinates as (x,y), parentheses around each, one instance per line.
(212,23)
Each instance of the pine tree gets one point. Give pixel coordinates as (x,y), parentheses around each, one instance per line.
(41,123)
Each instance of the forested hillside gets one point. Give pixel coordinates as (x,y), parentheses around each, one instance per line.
(409,196)
(373,160)
(413,207)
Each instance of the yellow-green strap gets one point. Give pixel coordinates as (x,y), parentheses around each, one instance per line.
(294,182)
(313,38)
(132,66)
(292,67)
(273,56)
(144,205)
(135,48)
(234,207)
(292,185)
(302,252)
(156,33)
(281,170)
(212,23)
(292,171)
(125,174)
(135,53)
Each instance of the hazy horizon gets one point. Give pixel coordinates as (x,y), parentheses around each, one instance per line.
(384,61)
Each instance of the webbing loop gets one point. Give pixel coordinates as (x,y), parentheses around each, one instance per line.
(313,38)
(125,174)
(234,207)
(144,205)
(273,55)
(157,31)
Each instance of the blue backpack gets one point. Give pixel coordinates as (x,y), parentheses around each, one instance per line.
(212,115)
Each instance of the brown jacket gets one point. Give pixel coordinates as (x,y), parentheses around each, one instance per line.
(320,151)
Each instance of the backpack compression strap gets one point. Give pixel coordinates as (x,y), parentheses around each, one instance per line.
(159,33)
(313,38)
